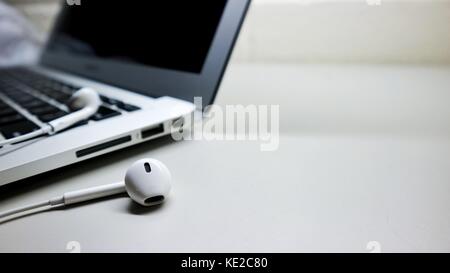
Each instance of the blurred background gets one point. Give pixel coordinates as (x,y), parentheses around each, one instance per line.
(324,31)
(339,66)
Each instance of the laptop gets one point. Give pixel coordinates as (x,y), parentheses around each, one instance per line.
(146,59)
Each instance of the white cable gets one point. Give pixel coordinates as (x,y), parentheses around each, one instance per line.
(87,99)
(48,203)
(40,132)
(147,182)
(70,198)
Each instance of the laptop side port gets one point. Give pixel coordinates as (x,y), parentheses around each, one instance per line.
(152,131)
(103,146)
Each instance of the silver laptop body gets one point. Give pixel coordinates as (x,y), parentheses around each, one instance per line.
(147,83)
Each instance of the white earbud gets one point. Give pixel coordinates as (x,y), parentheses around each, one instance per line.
(147,182)
(86,100)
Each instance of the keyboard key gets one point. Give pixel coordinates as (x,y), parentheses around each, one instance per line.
(34,104)
(11,119)
(6,89)
(129,108)
(52,116)
(22,98)
(70,89)
(39,111)
(6,111)
(104,113)
(61,97)
(18,129)
(119,104)
(111,101)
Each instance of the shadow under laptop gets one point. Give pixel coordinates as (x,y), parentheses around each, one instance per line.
(41,181)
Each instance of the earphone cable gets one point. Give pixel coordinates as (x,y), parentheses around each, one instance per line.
(52,203)
(37,133)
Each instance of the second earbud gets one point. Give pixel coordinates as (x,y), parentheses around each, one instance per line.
(147,182)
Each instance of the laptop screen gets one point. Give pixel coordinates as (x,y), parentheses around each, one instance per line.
(175,48)
(175,35)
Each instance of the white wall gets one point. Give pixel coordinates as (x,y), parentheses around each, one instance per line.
(349,31)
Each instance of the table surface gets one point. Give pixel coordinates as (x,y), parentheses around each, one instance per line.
(364,157)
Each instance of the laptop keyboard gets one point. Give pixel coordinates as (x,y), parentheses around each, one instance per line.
(28,99)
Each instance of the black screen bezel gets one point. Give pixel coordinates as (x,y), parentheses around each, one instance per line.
(154,81)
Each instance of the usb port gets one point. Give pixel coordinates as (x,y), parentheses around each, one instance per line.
(153,131)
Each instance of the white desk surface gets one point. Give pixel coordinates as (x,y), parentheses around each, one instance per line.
(364,156)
